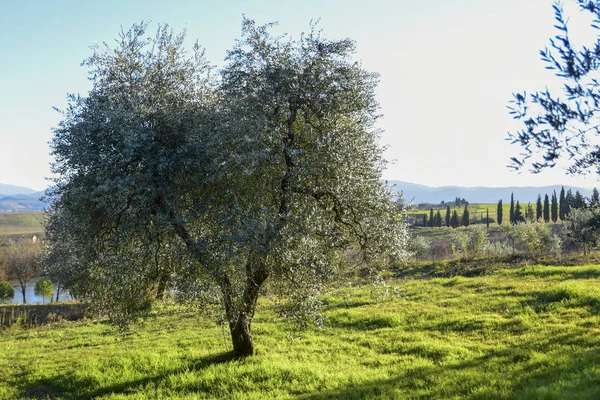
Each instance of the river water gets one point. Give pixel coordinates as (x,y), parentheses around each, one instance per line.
(31,297)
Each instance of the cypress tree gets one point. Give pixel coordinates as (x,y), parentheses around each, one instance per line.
(595,199)
(438,219)
(465,216)
(431,218)
(512,209)
(538,208)
(425,220)
(487,218)
(569,202)
(454,219)
(518,214)
(546,209)
(499,212)
(448,216)
(579,201)
(554,207)
(561,204)
(529,214)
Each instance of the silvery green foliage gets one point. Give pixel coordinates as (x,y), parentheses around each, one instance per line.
(418,247)
(381,290)
(496,249)
(534,239)
(219,183)
(471,242)
(127,155)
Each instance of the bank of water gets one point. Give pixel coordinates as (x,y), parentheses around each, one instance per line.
(30,295)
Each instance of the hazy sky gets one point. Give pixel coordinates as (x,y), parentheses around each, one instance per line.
(447,67)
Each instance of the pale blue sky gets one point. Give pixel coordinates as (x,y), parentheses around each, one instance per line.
(447,67)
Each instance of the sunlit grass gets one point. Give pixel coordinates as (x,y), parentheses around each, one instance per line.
(530,332)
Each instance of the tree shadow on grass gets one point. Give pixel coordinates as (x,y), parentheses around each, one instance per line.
(369,323)
(540,272)
(466,267)
(70,386)
(544,300)
(510,372)
(578,378)
(347,305)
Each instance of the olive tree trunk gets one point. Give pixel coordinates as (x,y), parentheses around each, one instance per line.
(162,287)
(239,313)
(240,325)
(241,337)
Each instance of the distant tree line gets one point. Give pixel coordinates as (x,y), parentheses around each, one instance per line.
(552,208)
(457,202)
(451,218)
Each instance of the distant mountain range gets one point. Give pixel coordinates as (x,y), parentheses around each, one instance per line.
(20,199)
(479,194)
(9,190)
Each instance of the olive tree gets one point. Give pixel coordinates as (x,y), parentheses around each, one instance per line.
(534,239)
(472,242)
(219,185)
(418,247)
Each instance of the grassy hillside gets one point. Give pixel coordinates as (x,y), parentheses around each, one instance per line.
(531,333)
(21,223)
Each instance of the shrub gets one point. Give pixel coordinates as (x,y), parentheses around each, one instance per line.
(534,239)
(496,249)
(472,242)
(583,227)
(419,247)
(7,292)
(44,288)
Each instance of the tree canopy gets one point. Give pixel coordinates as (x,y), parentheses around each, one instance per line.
(44,289)
(215,184)
(22,260)
(583,227)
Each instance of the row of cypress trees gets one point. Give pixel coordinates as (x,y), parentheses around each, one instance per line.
(451,219)
(551,209)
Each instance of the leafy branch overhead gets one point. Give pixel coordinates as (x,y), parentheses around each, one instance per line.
(567,126)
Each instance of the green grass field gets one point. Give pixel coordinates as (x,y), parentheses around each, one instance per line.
(530,333)
(25,223)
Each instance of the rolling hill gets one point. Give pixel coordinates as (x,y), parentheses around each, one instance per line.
(479,194)
(10,190)
(22,202)
(22,199)
(21,223)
